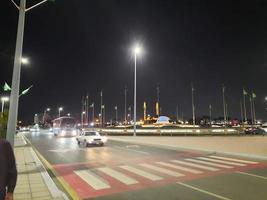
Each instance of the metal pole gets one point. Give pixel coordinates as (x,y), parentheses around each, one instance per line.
(3,103)
(245,110)
(135,94)
(241,109)
(93,112)
(251,110)
(254,112)
(101,102)
(193,106)
(177,116)
(224,107)
(14,97)
(58,113)
(210,113)
(125,105)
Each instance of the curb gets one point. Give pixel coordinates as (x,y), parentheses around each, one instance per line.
(173,147)
(41,161)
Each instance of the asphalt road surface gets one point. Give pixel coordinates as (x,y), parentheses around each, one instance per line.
(120,171)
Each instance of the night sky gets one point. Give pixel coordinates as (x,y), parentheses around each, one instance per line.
(80,46)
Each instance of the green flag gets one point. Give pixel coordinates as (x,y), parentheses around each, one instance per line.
(253,95)
(244,92)
(26,91)
(6,87)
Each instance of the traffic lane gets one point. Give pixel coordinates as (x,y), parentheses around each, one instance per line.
(170,192)
(61,150)
(226,187)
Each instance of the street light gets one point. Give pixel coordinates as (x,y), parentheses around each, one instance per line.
(14,96)
(83,113)
(59,110)
(4,99)
(24,61)
(137,51)
(46,110)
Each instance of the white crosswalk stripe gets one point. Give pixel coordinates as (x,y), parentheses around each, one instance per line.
(235,160)
(209,163)
(195,165)
(162,170)
(221,161)
(142,173)
(118,175)
(194,171)
(92,179)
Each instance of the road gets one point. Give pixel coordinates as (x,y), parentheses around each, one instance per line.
(121,170)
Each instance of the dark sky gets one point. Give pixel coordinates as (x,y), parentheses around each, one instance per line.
(80,46)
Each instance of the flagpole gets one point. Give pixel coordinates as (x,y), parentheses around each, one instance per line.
(251,110)
(193,105)
(93,112)
(177,114)
(210,113)
(241,111)
(224,108)
(253,106)
(101,113)
(125,105)
(245,110)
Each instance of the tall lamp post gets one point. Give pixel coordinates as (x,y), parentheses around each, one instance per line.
(137,50)
(4,99)
(14,96)
(59,110)
(46,110)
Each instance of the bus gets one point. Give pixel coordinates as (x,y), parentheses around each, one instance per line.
(64,126)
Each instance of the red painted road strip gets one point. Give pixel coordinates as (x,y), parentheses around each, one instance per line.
(85,191)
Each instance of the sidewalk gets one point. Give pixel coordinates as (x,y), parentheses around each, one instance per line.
(33,180)
(248,146)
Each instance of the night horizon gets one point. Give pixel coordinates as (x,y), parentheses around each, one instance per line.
(79,48)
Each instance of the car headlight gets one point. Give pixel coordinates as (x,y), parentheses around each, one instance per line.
(74,132)
(104,139)
(63,132)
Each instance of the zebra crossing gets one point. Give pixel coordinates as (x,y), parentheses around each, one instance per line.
(157,171)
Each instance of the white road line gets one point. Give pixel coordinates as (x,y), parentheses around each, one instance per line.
(254,175)
(209,163)
(118,175)
(203,191)
(194,171)
(127,149)
(92,179)
(222,161)
(162,170)
(232,159)
(142,173)
(195,165)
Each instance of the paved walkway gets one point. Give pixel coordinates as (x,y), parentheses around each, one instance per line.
(249,146)
(33,180)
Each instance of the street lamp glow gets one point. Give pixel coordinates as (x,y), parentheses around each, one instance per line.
(265,98)
(137,49)
(59,110)
(24,61)
(48,109)
(4,98)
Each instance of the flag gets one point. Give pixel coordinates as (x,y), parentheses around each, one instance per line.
(244,92)
(6,87)
(116,107)
(26,91)
(103,106)
(92,105)
(253,95)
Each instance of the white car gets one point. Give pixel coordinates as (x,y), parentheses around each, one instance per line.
(91,138)
(264,128)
